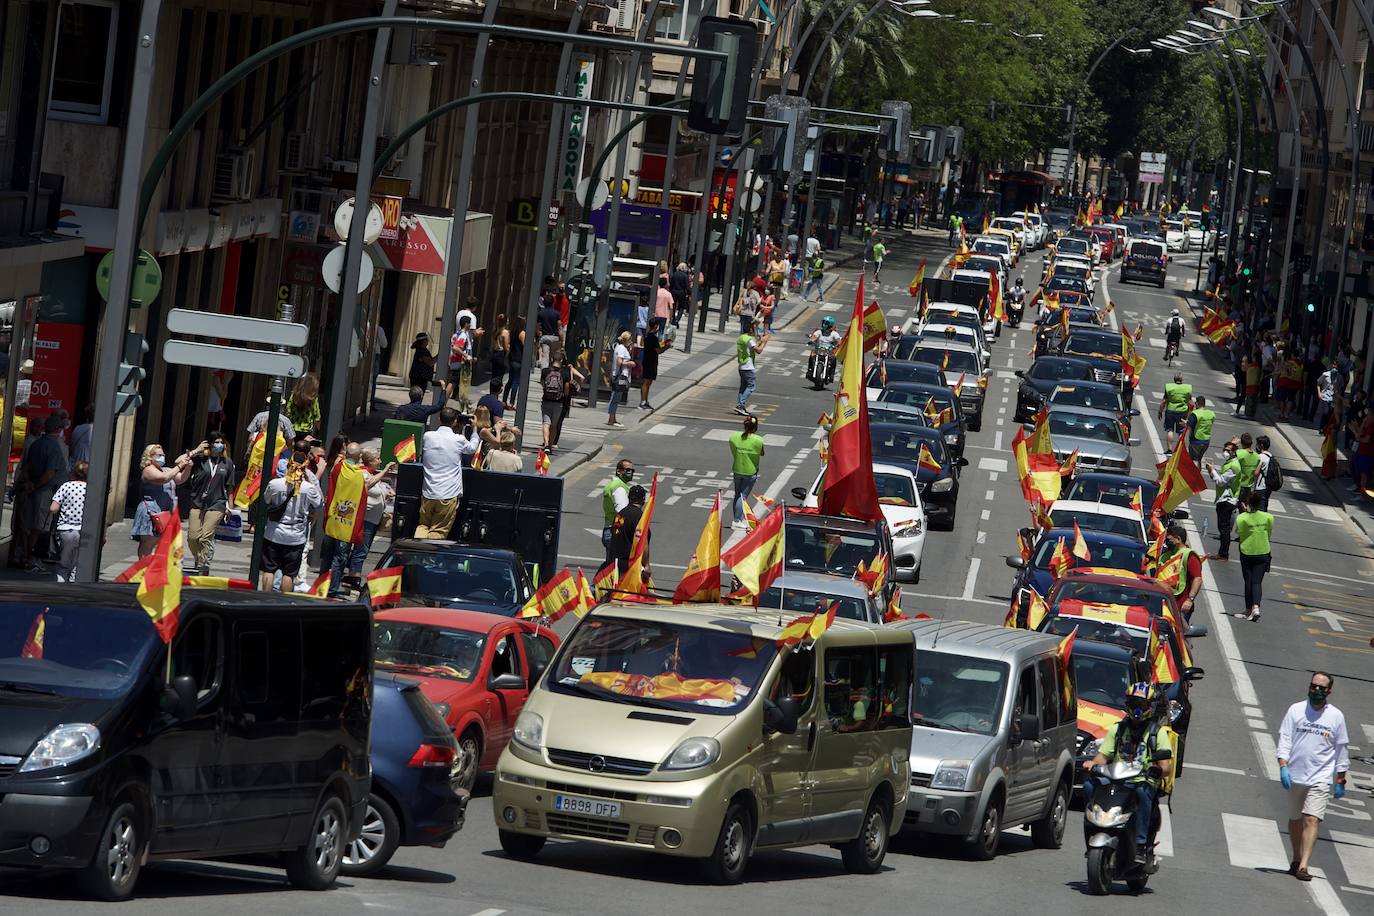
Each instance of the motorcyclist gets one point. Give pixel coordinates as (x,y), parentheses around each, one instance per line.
(1173,334)
(888,348)
(825,338)
(1018,292)
(1137,738)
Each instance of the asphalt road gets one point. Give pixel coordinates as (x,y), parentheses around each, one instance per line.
(1225,839)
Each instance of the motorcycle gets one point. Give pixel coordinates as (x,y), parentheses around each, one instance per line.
(1016,307)
(1109,831)
(820,368)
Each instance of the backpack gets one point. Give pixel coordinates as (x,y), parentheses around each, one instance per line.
(1166,782)
(553,385)
(1273,475)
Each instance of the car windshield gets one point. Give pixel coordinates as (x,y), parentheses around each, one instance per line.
(894,489)
(916,398)
(662,665)
(1174,226)
(1086,426)
(428,651)
(806,601)
(1096,521)
(905,445)
(1113,492)
(1065,283)
(891,413)
(1072,246)
(935,315)
(1086,396)
(1055,369)
(1091,343)
(457,576)
(901,370)
(989,265)
(815,549)
(1108,556)
(1147,250)
(1101,680)
(1110,593)
(964,361)
(988,246)
(1071,271)
(959,693)
(73,651)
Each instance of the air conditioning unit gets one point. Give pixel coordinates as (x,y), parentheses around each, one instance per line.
(626,15)
(295,152)
(598,12)
(235,176)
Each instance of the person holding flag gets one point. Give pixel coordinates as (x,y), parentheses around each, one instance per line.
(623,530)
(1180,569)
(291,500)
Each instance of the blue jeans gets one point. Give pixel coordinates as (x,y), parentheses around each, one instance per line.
(744,486)
(606,541)
(813,283)
(339,554)
(617,398)
(746,387)
(358,555)
(1144,809)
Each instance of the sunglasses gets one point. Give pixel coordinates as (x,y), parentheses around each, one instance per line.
(1321,687)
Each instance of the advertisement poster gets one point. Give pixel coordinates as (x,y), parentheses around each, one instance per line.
(56,368)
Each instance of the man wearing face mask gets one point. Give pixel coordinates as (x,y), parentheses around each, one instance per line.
(212,480)
(1314,756)
(1227,483)
(615,496)
(1180,569)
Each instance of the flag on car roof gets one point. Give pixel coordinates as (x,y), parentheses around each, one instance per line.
(586,596)
(384,586)
(848,487)
(756,559)
(1080,546)
(874,574)
(821,621)
(604,581)
(1065,654)
(159,592)
(995,303)
(1060,560)
(893,610)
(1138,500)
(794,631)
(701,581)
(33,643)
(927,461)
(918,281)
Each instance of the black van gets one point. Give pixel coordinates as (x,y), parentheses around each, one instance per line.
(252,739)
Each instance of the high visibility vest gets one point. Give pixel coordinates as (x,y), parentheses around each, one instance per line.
(1231,489)
(1173,572)
(1176,397)
(608,499)
(1249,461)
(1202,429)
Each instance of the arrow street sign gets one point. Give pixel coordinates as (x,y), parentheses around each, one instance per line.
(1331,618)
(236,327)
(214,356)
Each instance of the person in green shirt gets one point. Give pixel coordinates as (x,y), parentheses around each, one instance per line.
(1200,423)
(747,346)
(746,451)
(1253,528)
(1137,738)
(615,496)
(815,272)
(879,252)
(1249,462)
(1174,408)
(1227,482)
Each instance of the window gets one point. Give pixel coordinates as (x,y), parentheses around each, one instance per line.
(797,679)
(1051,693)
(332,668)
(268,664)
(851,690)
(894,668)
(538,652)
(83,61)
(197,653)
(681,23)
(505,658)
(1025,699)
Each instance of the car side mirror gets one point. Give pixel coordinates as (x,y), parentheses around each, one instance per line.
(1020,373)
(961,461)
(1198,629)
(1193,674)
(799,493)
(1133,412)
(782,716)
(506,682)
(180,698)
(1181,513)
(1028,727)
(1133,442)
(1016,562)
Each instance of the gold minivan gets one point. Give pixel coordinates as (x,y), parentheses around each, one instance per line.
(685,730)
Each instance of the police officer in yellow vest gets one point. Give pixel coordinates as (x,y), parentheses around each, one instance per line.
(614,497)
(1227,482)
(1200,428)
(1180,569)
(1174,407)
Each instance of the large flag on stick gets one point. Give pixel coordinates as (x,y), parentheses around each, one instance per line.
(1179,479)
(919,280)
(756,558)
(634,581)
(159,592)
(848,487)
(701,582)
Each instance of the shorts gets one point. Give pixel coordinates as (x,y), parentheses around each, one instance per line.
(1173,419)
(1309,800)
(282,558)
(1361,465)
(551,411)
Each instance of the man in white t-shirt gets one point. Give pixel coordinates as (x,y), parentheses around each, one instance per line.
(1314,756)
(813,246)
(445,449)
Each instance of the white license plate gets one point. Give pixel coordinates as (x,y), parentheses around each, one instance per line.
(591,807)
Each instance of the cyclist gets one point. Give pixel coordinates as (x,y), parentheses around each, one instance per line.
(1173,335)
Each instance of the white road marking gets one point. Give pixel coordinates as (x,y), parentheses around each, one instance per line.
(1230,771)
(1268,753)
(997,441)
(723,435)
(1254,711)
(1164,840)
(1327,513)
(992,464)
(488,912)
(986,514)
(1257,724)
(972,578)
(1276,506)
(990,495)
(1254,843)
(992,476)
(1356,853)
(906,594)
(1313,572)
(1324,895)
(981,537)
(1157,342)
(665,429)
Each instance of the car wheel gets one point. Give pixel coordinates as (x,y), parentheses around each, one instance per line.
(983,847)
(470,759)
(315,865)
(114,868)
(376,843)
(864,854)
(522,846)
(916,576)
(730,858)
(1048,832)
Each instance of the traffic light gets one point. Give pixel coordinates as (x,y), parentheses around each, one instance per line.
(601,262)
(720,88)
(131,374)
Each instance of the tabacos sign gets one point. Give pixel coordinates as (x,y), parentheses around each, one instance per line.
(575,141)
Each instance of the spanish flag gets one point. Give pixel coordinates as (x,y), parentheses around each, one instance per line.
(995,303)
(1070,465)
(217,582)
(1060,560)
(1035,607)
(1179,479)
(586,598)
(1329,466)
(634,581)
(546,601)
(873,575)
(701,581)
(346,503)
(159,592)
(405,450)
(33,643)
(893,611)
(384,586)
(320,587)
(135,570)
(1065,654)
(918,281)
(605,580)
(927,461)
(848,487)
(541,463)
(756,558)
(821,621)
(1080,546)
(874,329)
(250,485)
(795,631)
(1138,501)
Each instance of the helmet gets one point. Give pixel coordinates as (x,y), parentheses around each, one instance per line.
(1140,701)
(827,323)
(1174,312)
(1020,282)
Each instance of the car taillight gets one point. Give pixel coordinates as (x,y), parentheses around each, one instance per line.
(433,755)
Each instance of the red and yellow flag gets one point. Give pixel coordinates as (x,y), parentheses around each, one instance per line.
(217,582)
(634,580)
(384,586)
(848,487)
(586,597)
(1065,654)
(405,450)
(1171,570)
(346,503)
(893,611)
(320,587)
(701,581)
(874,330)
(874,575)
(927,461)
(795,631)
(995,303)
(1179,479)
(756,559)
(1080,546)
(135,570)
(1040,442)
(33,643)
(821,621)
(1138,501)
(605,580)
(159,592)
(918,281)
(1060,560)
(1329,466)
(541,463)
(250,485)
(554,599)
(1070,465)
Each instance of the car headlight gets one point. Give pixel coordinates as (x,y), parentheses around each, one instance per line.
(529,731)
(910,530)
(64,745)
(951,438)
(943,485)
(693,753)
(1110,817)
(1175,710)
(951,774)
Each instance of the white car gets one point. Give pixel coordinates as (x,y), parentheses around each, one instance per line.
(990,324)
(1018,228)
(936,333)
(900,500)
(1092,516)
(1175,236)
(1197,235)
(988,263)
(1074,247)
(1039,228)
(1072,267)
(996,246)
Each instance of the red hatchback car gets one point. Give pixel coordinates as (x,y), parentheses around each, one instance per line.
(477,668)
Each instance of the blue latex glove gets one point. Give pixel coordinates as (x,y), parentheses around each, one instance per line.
(1285,777)
(1338,790)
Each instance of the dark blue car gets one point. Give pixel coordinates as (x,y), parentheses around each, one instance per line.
(412,800)
(1110,551)
(900,444)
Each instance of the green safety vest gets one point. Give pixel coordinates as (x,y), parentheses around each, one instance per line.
(1249,461)
(1176,397)
(608,499)
(1202,429)
(1181,557)
(1231,489)
(817,266)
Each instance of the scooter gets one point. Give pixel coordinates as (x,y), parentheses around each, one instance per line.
(1109,831)
(820,368)
(1016,307)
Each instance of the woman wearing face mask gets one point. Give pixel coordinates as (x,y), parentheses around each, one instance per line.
(212,480)
(1253,530)
(157,494)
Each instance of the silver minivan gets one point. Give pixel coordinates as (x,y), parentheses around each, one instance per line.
(993,742)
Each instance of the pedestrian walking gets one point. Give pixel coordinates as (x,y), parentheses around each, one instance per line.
(815,272)
(158,483)
(615,496)
(621,368)
(1249,463)
(649,348)
(68,509)
(445,450)
(955,221)
(517,369)
(1261,484)
(1254,373)
(291,499)
(549,339)
(303,406)
(1201,419)
(1253,529)
(746,453)
(920,209)
(1289,383)
(553,382)
(46,465)
(1326,395)
(462,351)
(505,457)
(212,480)
(1180,569)
(879,252)
(663,302)
(813,244)
(623,532)
(379,343)
(746,306)
(747,347)
(1314,758)
(1362,463)
(777,274)
(380,494)
(1174,407)
(1226,480)
(500,353)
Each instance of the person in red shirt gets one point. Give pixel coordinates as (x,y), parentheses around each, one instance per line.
(563,303)
(1362,466)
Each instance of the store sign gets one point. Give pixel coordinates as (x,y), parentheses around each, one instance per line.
(420,245)
(303,226)
(56,367)
(575,140)
(678,201)
(391,215)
